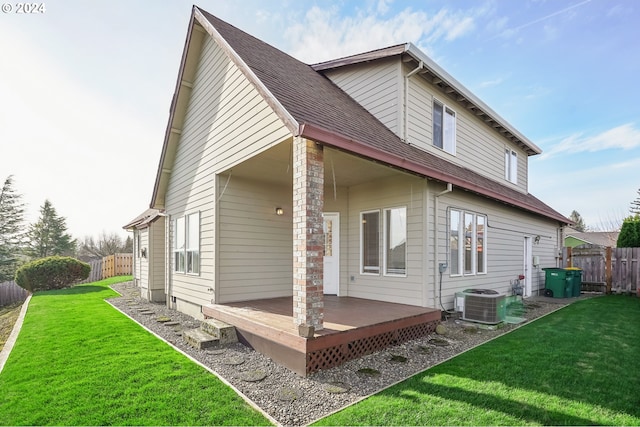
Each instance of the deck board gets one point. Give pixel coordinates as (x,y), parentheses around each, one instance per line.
(268,325)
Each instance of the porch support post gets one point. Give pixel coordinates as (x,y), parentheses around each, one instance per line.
(308,234)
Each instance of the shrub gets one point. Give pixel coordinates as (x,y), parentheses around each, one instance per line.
(629,236)
(53,272)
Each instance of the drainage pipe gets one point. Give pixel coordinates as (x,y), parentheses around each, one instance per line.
(436,230)
(406,99)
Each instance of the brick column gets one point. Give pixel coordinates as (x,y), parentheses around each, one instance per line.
(308,234)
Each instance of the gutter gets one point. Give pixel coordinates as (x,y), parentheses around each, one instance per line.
(335,140)
(406,100)
(436,231)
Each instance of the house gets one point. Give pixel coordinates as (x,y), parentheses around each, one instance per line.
(368,180)
(149,254)
(573,238)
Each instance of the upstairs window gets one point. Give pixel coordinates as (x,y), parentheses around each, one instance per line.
(444,127)
(511,165)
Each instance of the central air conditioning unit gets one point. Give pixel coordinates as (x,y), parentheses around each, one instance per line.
(483,306)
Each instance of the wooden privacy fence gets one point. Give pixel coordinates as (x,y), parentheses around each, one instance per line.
(109,266)
(606,269)
(10,294)
(117,265)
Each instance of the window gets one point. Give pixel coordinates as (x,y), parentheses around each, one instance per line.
(193,243)
(186,244)
(370,242)
(467,243)
(511,165)
(178,245)
(444,127)
(454,242)
(395,236)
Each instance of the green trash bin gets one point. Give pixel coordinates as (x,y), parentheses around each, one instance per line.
(576,280)
(556,283)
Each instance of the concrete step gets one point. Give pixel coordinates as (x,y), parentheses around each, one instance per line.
(225,332)
(199,339)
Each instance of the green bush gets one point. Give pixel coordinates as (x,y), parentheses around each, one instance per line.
(629,236)
(53,272)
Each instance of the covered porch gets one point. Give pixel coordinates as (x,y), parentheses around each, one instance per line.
(353,327)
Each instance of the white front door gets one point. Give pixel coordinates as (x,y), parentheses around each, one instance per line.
(331,253)
(528,266)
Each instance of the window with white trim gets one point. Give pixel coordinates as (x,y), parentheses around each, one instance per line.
(395,241)
(186,244)
(178,245)
(444,127)
(511,165)
(467,243)
(370,242)
(193,243)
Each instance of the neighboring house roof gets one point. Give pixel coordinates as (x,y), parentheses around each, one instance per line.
(144,219)
(313,107)
(599,238)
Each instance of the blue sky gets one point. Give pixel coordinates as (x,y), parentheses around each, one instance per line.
(85,89)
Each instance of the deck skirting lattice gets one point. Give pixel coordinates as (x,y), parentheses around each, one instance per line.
(333,356)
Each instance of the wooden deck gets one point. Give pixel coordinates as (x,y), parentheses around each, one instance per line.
(353,327)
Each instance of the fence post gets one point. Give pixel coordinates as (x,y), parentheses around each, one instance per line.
(607,269)
(569,262)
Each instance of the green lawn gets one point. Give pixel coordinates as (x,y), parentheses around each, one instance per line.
(78,361)
(577,366)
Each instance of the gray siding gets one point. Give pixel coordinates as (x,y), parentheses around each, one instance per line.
(505,235)
(226,122)
(395,192)
(478,146)
(375,87)
(255,245)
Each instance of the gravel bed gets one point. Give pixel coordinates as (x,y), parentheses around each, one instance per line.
(292,400)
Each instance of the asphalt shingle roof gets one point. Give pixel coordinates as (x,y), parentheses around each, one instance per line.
(313,100)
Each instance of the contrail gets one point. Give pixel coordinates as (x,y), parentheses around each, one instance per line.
(544,18)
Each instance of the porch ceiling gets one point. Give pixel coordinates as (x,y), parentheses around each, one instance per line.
(275,166)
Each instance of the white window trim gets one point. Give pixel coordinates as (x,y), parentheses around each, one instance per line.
(188,248)
(175,250)
(474,242)
(185,249)
(361,218)
(386,243)
(445,107)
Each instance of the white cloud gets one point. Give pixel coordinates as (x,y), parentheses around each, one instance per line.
(492,83)
(623,137)
(327,33)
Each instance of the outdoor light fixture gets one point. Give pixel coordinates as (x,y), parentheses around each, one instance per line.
(279,211)
(537,239)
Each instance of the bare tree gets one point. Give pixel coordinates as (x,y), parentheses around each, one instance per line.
(106,244)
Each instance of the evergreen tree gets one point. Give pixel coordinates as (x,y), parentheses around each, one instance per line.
(578,221)
(629,236)
(11,229)
(635,205)
(49,235)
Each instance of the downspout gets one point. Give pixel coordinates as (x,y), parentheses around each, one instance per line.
(436,230)
(406,100)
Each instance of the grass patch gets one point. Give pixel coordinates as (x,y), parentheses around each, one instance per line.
(573,367)
(79,361)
